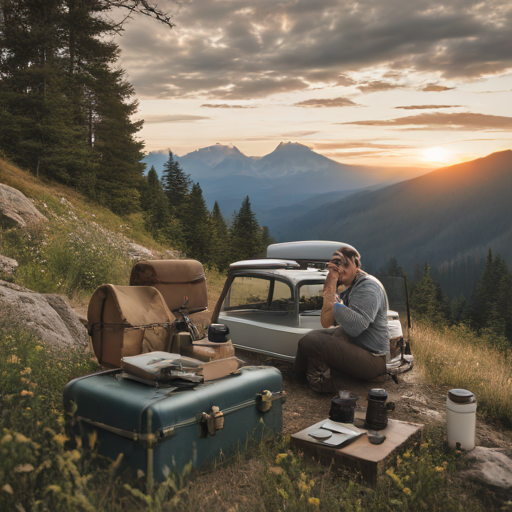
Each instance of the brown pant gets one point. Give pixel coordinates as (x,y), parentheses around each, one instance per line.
(319,351)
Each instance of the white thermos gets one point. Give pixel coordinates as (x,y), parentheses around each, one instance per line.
(461,419)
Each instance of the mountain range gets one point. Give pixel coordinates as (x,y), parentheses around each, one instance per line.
(288,175)
(441,217)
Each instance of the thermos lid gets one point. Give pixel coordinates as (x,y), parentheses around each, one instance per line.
(461,396)
(377,394)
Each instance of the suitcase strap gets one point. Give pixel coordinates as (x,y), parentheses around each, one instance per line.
(161,434)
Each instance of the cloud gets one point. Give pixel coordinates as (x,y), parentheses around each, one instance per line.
(436,88)
(424,107)
(326,102)
(280,137)
(172,118)
(225,105)
(352,154)
(355,145)
(295,135)
(247,49)
(378,85)
(441,121)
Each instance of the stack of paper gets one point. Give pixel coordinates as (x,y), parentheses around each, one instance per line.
(332,433)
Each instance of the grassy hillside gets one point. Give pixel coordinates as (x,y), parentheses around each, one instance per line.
(81,246)
(447,214)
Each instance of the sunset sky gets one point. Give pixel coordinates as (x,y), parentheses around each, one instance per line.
(394,82)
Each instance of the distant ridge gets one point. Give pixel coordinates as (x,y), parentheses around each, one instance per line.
(290,174)
(439,217)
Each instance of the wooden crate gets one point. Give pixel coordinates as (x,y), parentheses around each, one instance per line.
(368,460)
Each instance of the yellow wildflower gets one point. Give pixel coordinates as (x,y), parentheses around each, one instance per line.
(60,438)
(276,470)
(398,461)
(53,488)
(303,476)
(28,408)
(314,501)
(283,493)
(26,371)
(6,439)
(424,445)
(407,490)
(395,477)
(280,457)
(7,488)
(74,455)
(407,454)
(20,438)
(439,469)
(303,486)
(32,384)
(25,392)
(13,359)
(24,379)
(37,348)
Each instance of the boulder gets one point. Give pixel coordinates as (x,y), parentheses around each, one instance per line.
(492,466)
(16,209)
(48,316)
(7,265)
(139,252)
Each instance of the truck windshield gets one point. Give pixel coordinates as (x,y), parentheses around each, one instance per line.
(310,296)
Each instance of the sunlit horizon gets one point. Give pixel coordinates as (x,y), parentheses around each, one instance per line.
(384,89)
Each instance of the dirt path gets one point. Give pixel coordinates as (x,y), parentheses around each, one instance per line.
(415,401)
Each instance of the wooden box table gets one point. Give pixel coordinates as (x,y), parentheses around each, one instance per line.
(369,460)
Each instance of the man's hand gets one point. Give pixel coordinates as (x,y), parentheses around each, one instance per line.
(333,272)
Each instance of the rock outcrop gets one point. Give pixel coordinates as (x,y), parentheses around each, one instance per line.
(48,316)
(7,265)
(491,466)
(16,209)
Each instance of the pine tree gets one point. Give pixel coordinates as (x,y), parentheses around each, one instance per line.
(219,241)
(266,239)
(154,202)
(245,233)
(35,127)
(196,230)
(393,269)
(425,301)
(176,186)
(483,298)
(492,301)
(65,110)
(114,140)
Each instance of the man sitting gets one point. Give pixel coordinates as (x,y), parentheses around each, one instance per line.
(359,347)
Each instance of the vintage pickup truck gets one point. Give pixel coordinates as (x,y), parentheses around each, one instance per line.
(270,304)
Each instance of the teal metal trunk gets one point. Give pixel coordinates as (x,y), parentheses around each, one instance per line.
(158,427)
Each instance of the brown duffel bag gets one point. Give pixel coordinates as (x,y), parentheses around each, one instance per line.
(128,321)
(175,279)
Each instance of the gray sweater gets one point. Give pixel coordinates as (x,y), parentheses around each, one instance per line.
(365,318)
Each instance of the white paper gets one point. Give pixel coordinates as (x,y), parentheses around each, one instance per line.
(340,428)
(337,439)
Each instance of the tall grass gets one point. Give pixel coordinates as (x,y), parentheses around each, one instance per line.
(456,357)
(66,256)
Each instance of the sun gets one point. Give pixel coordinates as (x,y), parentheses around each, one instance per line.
(438,155)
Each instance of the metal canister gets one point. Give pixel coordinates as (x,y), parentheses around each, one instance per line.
(376,412)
